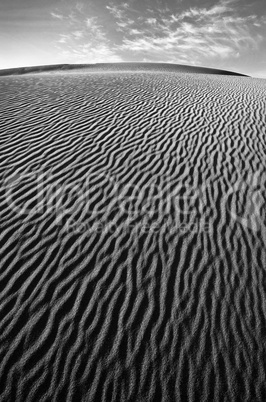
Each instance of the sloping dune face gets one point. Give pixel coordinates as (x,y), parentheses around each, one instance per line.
(132,237)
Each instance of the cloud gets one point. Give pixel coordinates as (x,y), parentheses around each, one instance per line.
(119,13)
(219,33)
(84,40)
(79,7)
(64,38)
(195,34)
(201,13)
(57,16)
(116,11)
(85,53)
(151,21)
(95,29)
(78,34)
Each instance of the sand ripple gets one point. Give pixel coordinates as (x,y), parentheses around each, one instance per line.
(133,239)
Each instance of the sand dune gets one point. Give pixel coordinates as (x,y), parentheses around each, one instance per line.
(133,239)
(116,67)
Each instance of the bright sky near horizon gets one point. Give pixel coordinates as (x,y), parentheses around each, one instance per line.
(226,34)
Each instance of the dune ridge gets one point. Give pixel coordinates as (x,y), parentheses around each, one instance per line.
(132,237)
(122,66)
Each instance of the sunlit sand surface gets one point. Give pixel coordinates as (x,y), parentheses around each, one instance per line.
(133,239)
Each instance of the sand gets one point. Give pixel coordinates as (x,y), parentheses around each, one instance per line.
(133,238)
(115,67)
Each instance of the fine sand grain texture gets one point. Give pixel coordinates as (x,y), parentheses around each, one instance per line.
(133,238)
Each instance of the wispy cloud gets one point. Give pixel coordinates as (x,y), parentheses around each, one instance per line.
(64,38)
(85,39)
(95,29)
(117,11)
(56,15)
(194,35)
(78,34)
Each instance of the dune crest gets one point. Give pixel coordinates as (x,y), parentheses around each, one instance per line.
(117,67)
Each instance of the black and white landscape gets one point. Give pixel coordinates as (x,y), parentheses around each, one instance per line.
(132,201)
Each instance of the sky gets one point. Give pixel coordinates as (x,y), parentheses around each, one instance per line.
(224,34)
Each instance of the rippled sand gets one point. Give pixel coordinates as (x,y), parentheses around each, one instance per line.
(133,238)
